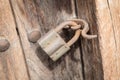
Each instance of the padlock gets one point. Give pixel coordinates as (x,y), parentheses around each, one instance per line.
(53,44)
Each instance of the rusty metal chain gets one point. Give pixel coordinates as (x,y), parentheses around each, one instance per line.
(73,25)
(76,24)
(84,24)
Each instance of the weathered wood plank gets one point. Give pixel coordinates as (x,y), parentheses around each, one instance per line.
(12,63)
(114,7)
(45,15)
(108,20)
(91,56)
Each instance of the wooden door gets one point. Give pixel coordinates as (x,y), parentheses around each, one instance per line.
(12,62)
(95,59)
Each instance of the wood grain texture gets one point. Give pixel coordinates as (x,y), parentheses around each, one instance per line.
(91,55)
(46,14)
(96,59)
(108,19)
(12,63)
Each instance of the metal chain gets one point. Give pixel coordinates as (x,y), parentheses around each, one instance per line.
(85,29)
(76,27)
(76,24)
(73,25)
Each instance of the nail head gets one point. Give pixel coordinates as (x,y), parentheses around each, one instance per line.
(34,36)
(4,45)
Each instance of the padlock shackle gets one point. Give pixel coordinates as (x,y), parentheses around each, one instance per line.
(64,24)
(73,24)
(75,38)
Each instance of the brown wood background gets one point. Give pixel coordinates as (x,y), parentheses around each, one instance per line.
(96,59)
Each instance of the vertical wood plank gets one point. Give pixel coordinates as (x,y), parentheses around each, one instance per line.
(108,20)
(12,63)
(47,15)
(114,7)
(91,55)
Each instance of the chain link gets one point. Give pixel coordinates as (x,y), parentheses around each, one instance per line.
(81,23)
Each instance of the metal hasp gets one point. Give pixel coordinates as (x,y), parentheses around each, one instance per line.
(55,46)
(4,44)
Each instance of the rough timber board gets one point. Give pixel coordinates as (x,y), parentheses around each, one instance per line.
(109,30)
(12,63)
(91,54)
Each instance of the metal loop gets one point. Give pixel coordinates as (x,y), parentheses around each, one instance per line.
(75,26)
(85,29)
(64,24)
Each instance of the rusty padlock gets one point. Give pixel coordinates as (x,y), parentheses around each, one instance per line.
(53,44)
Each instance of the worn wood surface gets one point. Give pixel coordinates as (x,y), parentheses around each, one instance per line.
(45,15)
(96,59)
(109,30)
(91,56)
(12,63)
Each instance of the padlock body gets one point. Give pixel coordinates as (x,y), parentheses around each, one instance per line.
(53,45)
